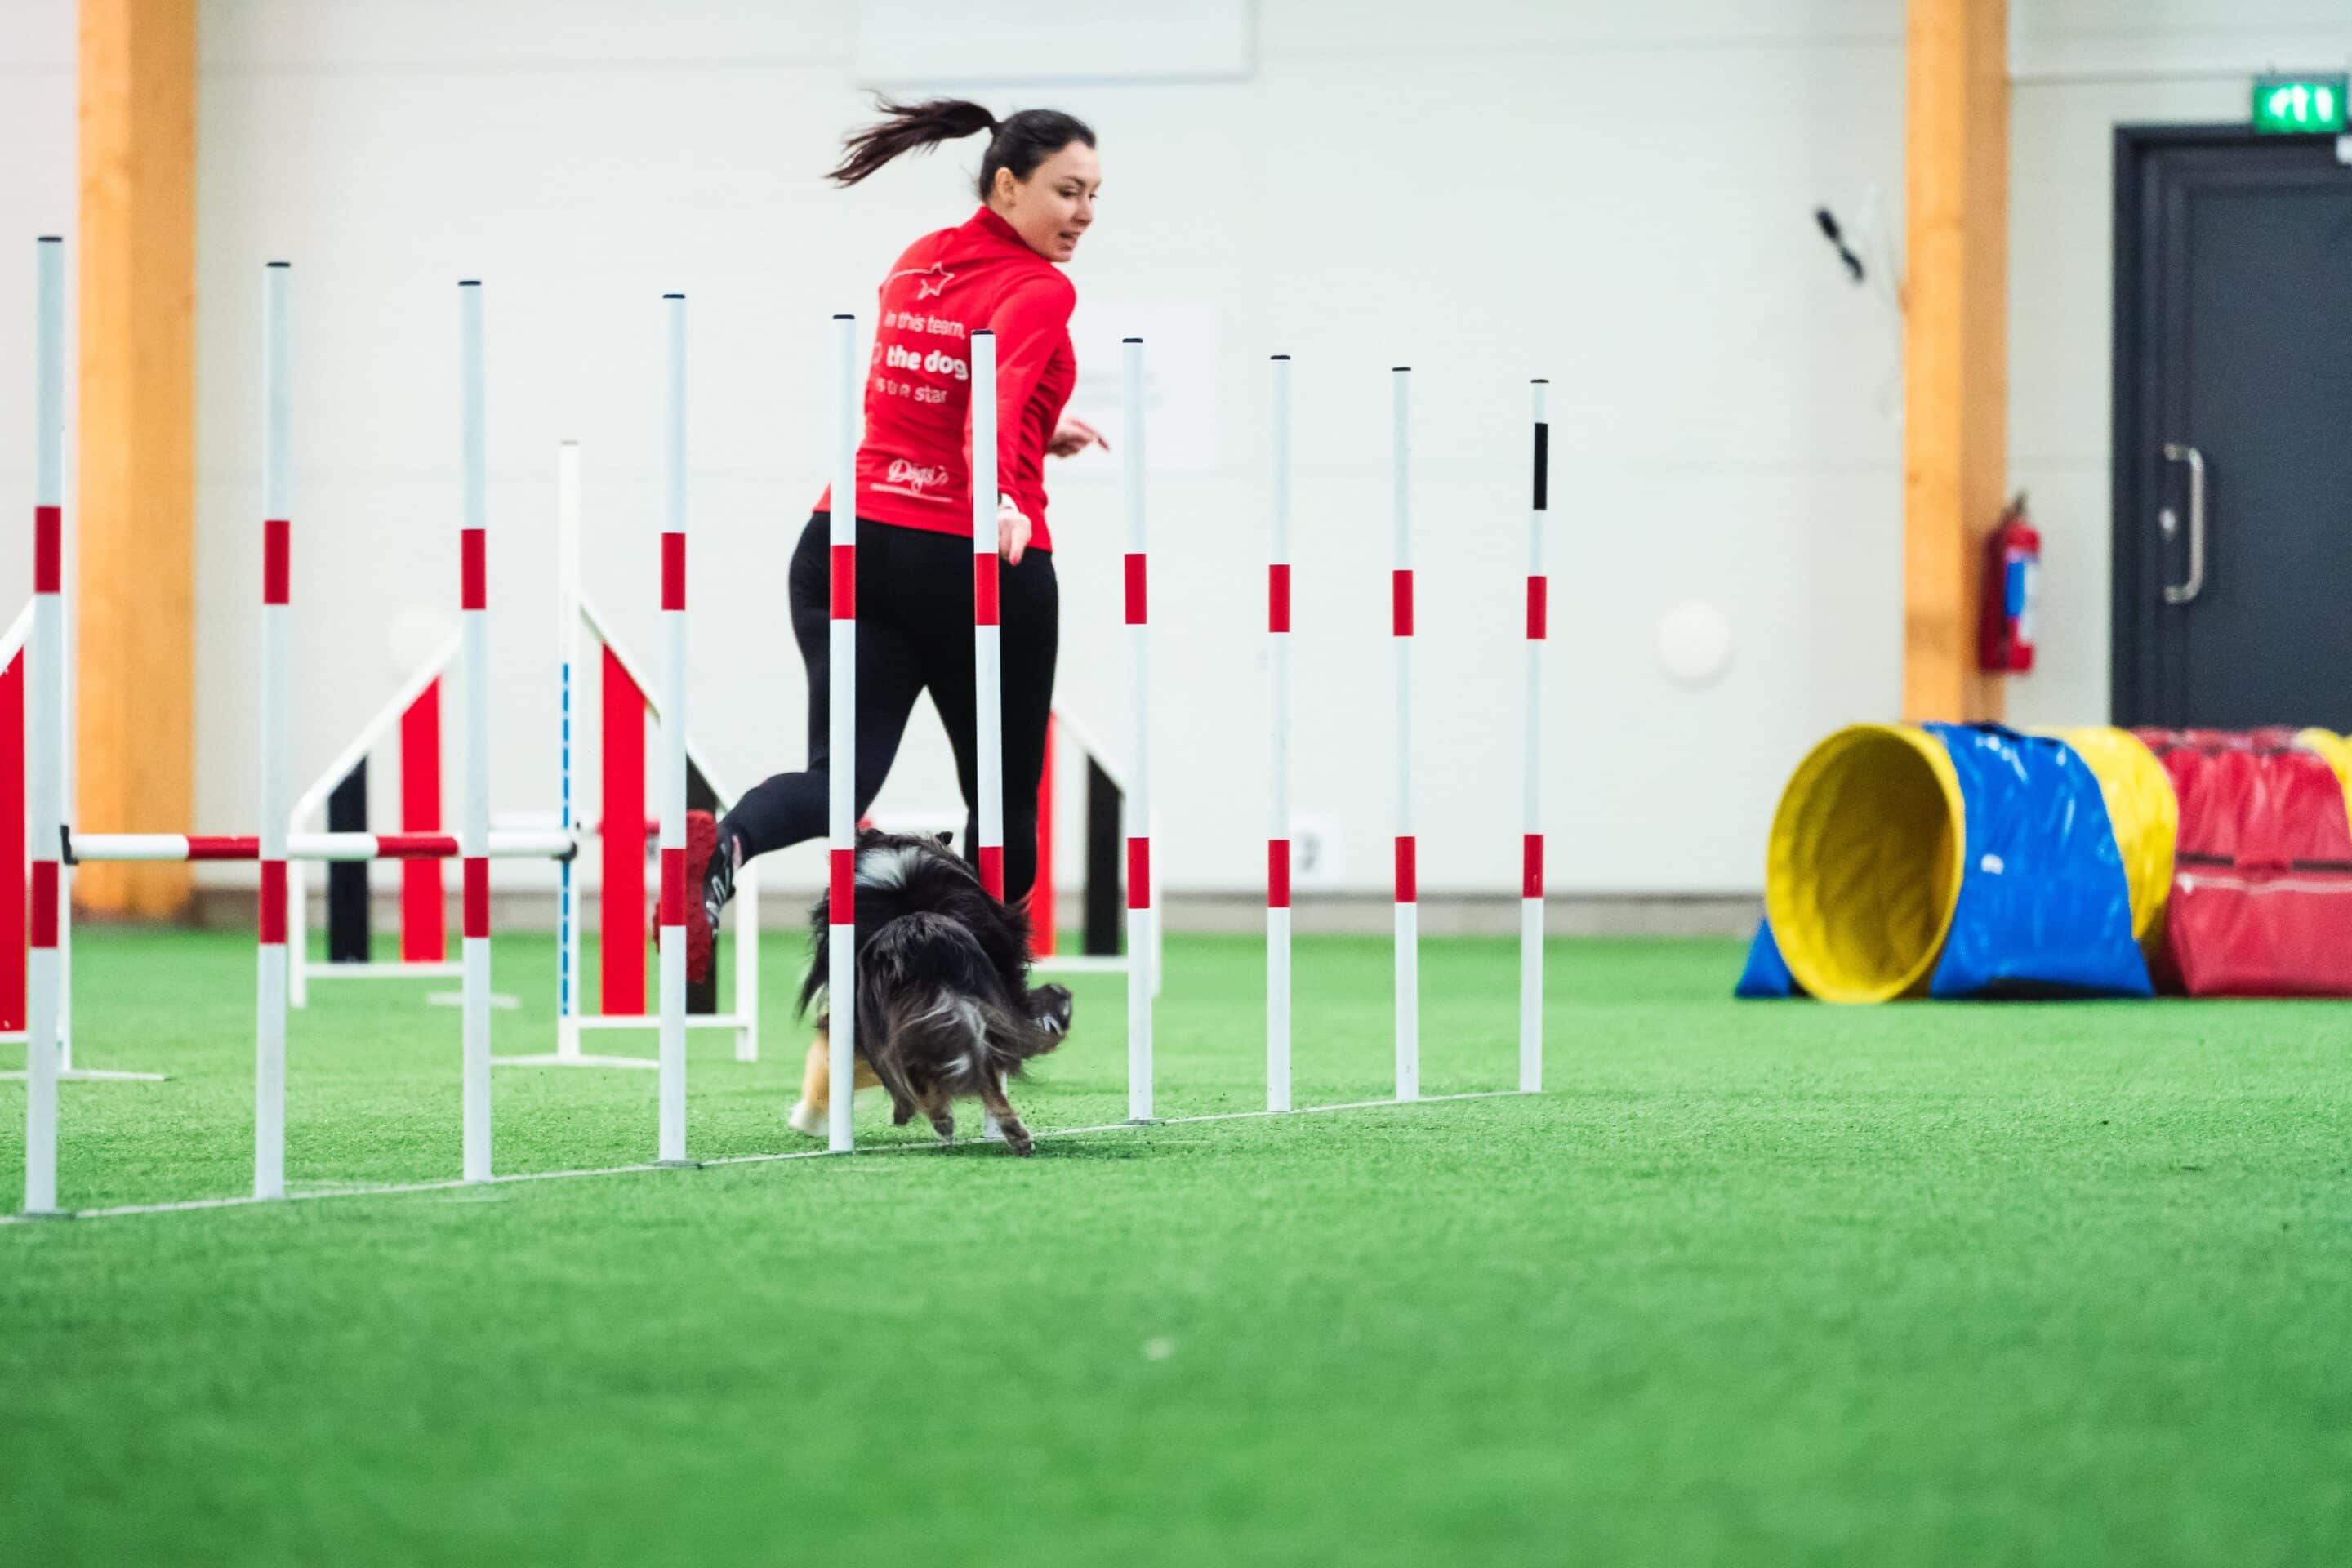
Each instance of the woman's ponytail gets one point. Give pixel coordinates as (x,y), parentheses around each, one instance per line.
(1020,143)
(907,127)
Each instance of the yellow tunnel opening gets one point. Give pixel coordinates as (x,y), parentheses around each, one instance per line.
(1864,863)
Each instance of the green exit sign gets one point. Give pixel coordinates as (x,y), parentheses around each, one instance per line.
(2299,104)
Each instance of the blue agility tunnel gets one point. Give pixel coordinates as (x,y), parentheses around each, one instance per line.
(1943,860)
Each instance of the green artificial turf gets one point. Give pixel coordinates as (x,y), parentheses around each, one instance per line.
(1752,1283)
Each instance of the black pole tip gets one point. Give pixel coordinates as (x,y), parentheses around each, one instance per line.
(983,332)
(1284,358)
(1541,381)
(673,296)
(50,239)
(1400,370)
(470,283)
(1130,339)
(279,266)
(843,316)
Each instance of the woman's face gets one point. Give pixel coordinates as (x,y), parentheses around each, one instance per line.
(1053,207)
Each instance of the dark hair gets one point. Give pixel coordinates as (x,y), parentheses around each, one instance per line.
(1020,144)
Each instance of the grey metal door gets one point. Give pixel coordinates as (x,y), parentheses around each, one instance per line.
(2234,430)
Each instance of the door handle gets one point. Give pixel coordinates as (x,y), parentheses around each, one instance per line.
(2182,593)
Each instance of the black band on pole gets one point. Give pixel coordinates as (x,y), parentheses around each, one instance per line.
(348,938)
(1543,462)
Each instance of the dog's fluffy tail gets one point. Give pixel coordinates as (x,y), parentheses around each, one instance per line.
(928,996)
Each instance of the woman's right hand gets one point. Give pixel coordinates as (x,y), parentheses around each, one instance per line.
(1074,436)
(1012,530)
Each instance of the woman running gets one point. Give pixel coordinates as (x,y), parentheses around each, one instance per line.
(1000,271)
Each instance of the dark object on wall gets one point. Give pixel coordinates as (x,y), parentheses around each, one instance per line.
(1837,237)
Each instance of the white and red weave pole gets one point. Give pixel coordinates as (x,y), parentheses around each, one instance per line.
(277,747)
(1277,676)
(1531,876)
(673,754)
(841,770)
(1408,927)
(987,637)
(1141,948)
(474,824)
(44,679)
(987,665)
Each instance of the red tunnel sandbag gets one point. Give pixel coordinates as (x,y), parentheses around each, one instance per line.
(2262,879)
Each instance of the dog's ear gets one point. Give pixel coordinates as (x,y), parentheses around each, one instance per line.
(947,840)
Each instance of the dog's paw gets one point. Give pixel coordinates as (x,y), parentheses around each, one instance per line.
(1017,1137)
(945,1127)
(807,1120)
(1050,1008)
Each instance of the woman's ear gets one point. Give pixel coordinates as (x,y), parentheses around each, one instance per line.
(1005,188)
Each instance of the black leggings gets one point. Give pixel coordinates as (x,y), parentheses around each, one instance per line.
(914,635)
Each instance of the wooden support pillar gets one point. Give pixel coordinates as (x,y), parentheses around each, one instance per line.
(1955,346)
(135,686)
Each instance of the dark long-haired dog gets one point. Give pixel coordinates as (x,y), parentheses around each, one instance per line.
(944,1008)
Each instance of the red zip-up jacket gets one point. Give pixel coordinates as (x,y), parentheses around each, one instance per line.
(914,466)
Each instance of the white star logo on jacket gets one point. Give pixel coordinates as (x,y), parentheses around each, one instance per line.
(930,282)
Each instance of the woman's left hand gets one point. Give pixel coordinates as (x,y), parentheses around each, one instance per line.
(1012,530)
(1074,436)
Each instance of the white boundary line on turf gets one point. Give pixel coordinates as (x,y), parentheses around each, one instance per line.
(395,1189)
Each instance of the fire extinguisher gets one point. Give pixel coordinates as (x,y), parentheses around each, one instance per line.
(2012,585)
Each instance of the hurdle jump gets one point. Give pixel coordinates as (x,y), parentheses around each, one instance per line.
(627,703)
(338,795)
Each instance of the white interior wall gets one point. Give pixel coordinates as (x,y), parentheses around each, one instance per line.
(1616,198)
(1615,195)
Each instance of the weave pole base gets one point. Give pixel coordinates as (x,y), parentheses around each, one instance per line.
(71,1074)
(91,1075)
(558,1059)
(568,1053)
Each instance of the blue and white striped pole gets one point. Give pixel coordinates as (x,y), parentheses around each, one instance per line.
(567,659)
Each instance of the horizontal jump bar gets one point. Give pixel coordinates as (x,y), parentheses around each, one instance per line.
(508,846)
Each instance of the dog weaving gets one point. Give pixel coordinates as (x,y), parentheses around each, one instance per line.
(944,1008)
